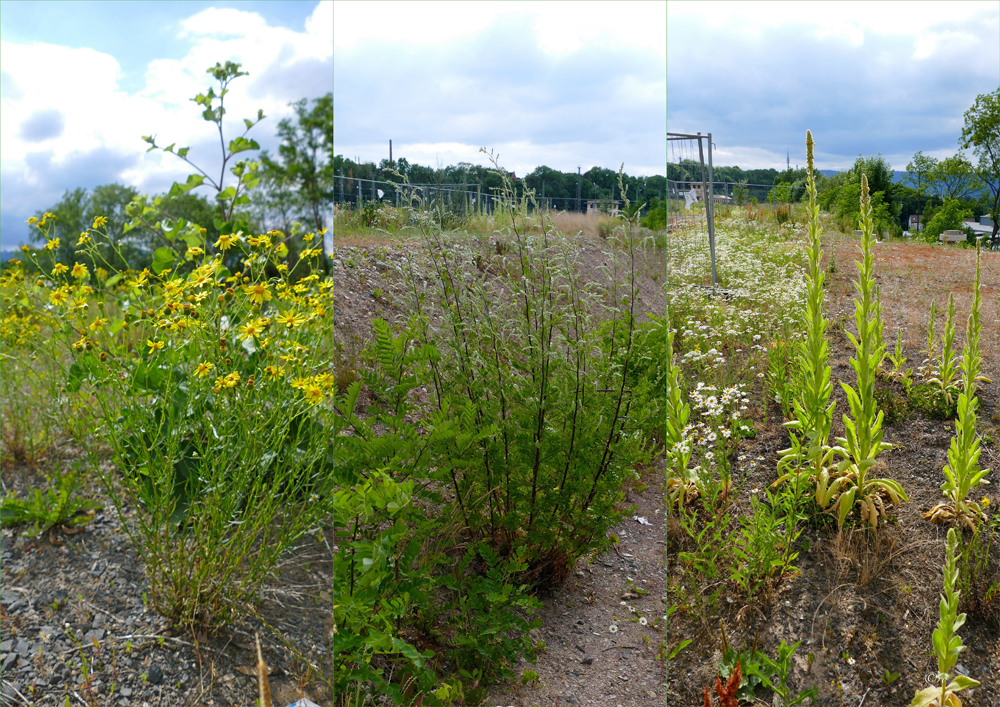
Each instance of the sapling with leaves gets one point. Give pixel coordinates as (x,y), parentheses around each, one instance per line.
(228,198)
(947,644)
(962,472)
(863,428)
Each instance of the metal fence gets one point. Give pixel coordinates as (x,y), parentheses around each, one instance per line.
(355,192)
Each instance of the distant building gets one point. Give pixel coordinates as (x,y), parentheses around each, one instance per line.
(602,205)
(916,223)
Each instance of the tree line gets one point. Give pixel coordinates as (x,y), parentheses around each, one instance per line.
(943,192)
(595,183)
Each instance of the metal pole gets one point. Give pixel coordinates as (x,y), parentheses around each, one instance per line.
(706,190)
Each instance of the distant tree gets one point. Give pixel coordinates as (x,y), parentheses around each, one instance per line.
(74,216)
(982,133)
(955,178)
(306,159)
(918,173)
(951,216)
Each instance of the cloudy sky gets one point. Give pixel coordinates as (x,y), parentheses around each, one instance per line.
(865,77)
(82,82)
(554,83)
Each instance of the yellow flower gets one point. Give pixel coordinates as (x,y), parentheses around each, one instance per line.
(81,344)
(291,320)
(313,393)
(250,330)
(258,293)
(45,217)
(80,271)
(274,373)
(101,273)
(25,248)
(32,221)
(52,244)
(195,251)
(154,345)
(84,239)
(232,380)
(58,297)
(98,323)
(203,369)
(299,383)
(99,221)
(282,267)
(59,269)
(226,240)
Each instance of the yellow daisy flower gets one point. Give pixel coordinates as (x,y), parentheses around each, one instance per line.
(203,369)
(291,320)
(80,271)
(59,269)
(258,293)
(228,240)
(99,221)
(154,345)
(52,244)
(313,393)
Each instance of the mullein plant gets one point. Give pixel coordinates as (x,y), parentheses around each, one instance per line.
(947,369)
(947,644)
(962,472)
(810,454)
(863,428)
(927,369)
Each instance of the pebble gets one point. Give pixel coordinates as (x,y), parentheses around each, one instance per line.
(155,675)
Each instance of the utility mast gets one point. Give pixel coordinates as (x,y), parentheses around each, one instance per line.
(788,160)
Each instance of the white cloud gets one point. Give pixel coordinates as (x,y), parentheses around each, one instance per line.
(565,29)
(64,108)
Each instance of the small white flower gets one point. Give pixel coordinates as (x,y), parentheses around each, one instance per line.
(642,620)
(631,609)
(614,628)
(623,603)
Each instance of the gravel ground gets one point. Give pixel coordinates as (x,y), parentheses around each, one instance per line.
(75,623)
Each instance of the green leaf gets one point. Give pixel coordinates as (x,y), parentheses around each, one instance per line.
(227,193)
(194,180)
(846,503)
(241,144)
(163,258)
(248,123)
(183,151)
(961,682)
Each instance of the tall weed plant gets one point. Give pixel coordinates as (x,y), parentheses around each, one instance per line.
(213,390)
(962,472)
(863,428)
(548,361)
